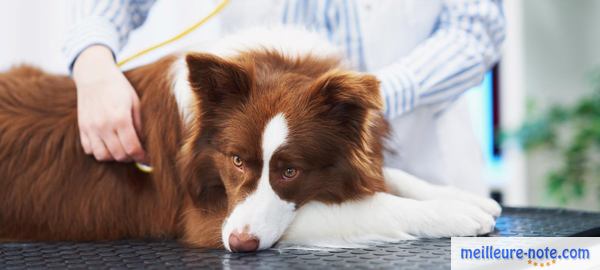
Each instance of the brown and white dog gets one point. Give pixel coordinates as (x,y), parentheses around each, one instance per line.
(262,137)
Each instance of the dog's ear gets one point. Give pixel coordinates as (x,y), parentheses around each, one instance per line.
(217,80)
(346,94)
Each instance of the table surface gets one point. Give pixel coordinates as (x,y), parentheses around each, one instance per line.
(415,254)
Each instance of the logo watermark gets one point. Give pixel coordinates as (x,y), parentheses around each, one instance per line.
(525,253)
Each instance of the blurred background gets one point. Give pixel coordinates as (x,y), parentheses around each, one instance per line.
(537,113)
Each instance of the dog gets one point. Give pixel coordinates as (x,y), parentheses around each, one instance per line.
(259,138)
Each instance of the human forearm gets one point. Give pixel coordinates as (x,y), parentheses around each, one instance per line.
(93,64)
(454,59)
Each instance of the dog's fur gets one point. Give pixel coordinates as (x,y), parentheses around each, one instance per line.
(264,107)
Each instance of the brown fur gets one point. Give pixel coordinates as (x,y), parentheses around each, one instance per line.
(51,190)
(336,128)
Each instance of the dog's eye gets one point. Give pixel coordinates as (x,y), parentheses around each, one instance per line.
(237,161)
(289,173)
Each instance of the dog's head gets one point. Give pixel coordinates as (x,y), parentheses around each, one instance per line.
(277,133)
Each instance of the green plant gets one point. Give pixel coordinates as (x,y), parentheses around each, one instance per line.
(574,132)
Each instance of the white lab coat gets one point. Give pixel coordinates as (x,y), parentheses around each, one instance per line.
(438,146)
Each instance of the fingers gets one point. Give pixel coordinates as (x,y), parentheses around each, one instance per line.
(137,116)
(98,148)
(115,141)
(114,146)
(85,143)
(136,151)
(131,143)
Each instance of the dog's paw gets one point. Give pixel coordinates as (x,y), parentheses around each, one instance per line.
(486,204)
(458,218)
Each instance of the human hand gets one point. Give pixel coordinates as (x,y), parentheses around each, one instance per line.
(108,108)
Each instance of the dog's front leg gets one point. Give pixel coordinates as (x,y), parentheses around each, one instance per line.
(405,185)
(384,217)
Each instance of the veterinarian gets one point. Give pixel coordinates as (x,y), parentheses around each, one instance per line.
(426,53)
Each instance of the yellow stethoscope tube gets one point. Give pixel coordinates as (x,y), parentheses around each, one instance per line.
(184,33)
(214,12)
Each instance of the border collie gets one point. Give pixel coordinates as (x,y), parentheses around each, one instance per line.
(262,137)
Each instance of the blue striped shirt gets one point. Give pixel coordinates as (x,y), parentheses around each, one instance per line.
(464,44)
(106,22)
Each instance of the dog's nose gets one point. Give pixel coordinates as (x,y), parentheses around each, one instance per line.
(243,242)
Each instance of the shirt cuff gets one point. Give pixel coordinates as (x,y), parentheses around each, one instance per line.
(398,89)
(91,31)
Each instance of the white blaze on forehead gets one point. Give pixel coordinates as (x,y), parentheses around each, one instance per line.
(274,136)
(263,213)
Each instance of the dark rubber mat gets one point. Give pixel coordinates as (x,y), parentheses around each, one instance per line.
(418,254)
